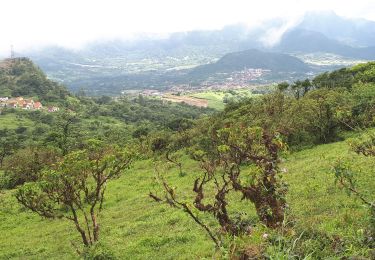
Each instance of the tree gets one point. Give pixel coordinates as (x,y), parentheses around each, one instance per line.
(296,87)
(66,135)
(234,147)
(8,144)
(141,131)
(180,124)
(26,165)
(75,188)
(283,86)
(306,86)
(331,107)
(239,146)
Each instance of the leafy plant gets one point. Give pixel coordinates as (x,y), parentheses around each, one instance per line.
(75,188)
(234,147)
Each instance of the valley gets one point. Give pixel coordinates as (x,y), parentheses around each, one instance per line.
(142,131)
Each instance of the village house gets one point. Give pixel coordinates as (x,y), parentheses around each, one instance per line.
(27,104)
(38,105)
(12,104)
(53,109)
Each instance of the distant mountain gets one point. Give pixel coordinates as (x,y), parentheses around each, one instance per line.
(237,61)
(356,32)
(155,61)
(306,41)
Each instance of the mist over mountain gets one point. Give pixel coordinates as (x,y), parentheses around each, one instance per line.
(159,60)
(313,41)
(356,32)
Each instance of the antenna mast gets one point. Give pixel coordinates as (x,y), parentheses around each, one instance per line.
(11,52)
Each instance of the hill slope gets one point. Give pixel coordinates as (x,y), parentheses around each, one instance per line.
(20,77)
(136,228)
(256,59)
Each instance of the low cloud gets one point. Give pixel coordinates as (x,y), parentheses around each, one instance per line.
(273,35)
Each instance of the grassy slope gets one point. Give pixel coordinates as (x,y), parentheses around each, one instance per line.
(215,98)
(136,228)
(12,121)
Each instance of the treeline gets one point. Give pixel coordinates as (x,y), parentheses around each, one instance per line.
(312,111)
(84,118)
(305,112)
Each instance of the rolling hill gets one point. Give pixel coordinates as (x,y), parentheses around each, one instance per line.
(21,77)
(237,61)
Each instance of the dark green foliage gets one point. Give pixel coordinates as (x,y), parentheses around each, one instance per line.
(346,77)
(311,112)
(155,111)
(9,142)
(283,86)
(159,142)
(141,131)
(26,165)
(66,133)
(180,124)
(20,77)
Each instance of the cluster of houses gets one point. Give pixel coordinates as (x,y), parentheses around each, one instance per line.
(25,103)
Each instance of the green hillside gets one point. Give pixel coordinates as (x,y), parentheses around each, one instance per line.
(267,177)
(20,77)
(237,61)
(136,228)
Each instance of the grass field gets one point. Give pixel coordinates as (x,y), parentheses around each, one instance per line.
(216,98)
(12,121)
(134,227)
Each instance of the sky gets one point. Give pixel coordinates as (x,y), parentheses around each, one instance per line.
(72,23)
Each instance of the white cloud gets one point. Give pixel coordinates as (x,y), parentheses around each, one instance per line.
(70,23)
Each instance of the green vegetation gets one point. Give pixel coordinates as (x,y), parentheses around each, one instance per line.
(76,186)
(20,77)
(218,99)
(214,98)
(135,227)
(252,181)
(14,120)
(237,61)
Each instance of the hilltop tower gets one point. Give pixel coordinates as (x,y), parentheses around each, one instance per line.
(12,56)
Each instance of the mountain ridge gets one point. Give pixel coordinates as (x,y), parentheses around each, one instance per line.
(317,42)
(255,59)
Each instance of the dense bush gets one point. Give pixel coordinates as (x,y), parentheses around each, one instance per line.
(26,165)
